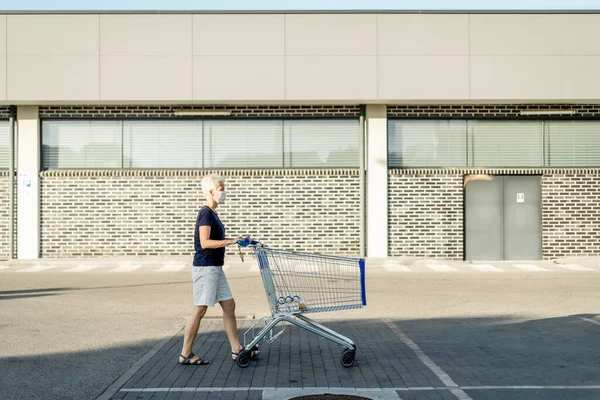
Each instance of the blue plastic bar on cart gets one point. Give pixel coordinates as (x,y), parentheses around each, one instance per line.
(247,242)
(361,264)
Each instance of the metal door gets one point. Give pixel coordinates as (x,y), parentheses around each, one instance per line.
(483,218)
(522,218)
(503,218)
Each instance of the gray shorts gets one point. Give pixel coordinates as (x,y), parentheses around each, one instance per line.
(210,286)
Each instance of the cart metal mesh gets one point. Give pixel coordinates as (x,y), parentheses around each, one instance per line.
(309,283)
(299,283)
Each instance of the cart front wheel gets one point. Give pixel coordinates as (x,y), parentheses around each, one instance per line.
(243,359)
(348,357)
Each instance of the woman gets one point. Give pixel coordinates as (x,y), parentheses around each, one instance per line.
(210,284)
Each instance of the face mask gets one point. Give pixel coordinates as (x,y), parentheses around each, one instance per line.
(221,198)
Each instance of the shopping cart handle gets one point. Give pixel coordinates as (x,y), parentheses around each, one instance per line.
(247,242)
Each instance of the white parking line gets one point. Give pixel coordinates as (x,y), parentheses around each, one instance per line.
(37,269)
(364,391)
(126,268)
(575,267)
(82,268)
(486,268)
(530,267)
(590,320)
(396,268)
(429,363)
(171,268)
(3,267)
(254,267)
(441,268)
(532,387)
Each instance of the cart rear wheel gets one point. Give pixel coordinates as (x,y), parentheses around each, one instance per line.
(348,357)
(243,359)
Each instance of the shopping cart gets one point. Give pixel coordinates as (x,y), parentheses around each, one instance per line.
(301,283)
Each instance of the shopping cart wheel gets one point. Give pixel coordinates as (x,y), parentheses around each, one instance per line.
(348,357)
(243,359)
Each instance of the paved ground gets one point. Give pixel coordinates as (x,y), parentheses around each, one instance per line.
(391,264)
(426,334)
(479,358)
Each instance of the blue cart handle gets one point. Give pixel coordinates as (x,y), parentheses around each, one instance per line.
(246,242)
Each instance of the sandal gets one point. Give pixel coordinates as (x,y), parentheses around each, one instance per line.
(188,360)
(254,353)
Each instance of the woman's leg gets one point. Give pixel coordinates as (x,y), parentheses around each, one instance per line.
(230,324)
(191,329)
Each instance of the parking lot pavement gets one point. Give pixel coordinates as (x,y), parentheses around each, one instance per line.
(396,265)
(430,335)
(445,358)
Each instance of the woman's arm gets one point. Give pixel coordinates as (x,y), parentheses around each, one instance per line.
(208,243)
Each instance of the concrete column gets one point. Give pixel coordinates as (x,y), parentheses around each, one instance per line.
(377,181)
(28,182)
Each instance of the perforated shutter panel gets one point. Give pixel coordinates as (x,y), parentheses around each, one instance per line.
(573,143)
(243,144)
(81,144)
(506,143)
(321,143)
(4,150)
(162,144)
(427,143)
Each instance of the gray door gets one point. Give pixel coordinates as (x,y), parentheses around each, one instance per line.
(503,218)
(522,218)
(483,217)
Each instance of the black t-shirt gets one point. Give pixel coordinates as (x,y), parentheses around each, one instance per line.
(209,257)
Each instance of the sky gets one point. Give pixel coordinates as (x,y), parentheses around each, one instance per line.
(214,5)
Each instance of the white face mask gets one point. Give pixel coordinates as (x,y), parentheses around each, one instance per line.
(221,197)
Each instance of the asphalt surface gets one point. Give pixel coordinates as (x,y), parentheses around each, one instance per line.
(515,334)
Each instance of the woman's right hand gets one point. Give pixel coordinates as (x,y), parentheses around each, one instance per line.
(234,241)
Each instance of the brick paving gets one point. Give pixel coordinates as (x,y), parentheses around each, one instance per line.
(475,353)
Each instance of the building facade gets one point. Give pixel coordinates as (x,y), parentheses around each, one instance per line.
(443,135)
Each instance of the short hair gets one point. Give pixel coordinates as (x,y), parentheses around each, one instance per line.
(210,182)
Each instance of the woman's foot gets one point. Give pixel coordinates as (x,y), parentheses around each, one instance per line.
(191,359)
(254,352)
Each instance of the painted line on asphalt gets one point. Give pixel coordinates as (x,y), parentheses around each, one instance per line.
(82,268)
(591,321)
(396,268)
(36,269)
(364,391)
(486,268)
(574,267)
(441,267)
(532,387)
(254,267)
(3,267)
(271,393)
(171,268)
(440,373)
(193,389)
(530,267)
(126,268)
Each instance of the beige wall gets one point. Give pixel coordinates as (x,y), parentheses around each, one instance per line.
(372,58)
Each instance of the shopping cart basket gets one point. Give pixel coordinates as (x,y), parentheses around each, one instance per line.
(301,283)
